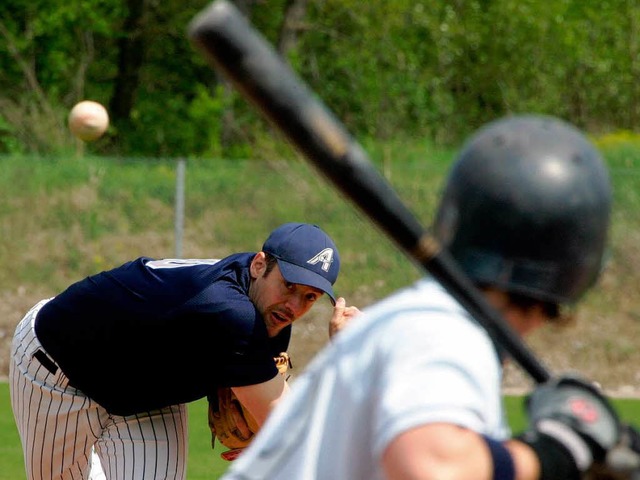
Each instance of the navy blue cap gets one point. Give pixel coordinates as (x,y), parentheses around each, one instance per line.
(305,255)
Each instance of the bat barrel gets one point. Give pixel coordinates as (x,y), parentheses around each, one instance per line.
(234,47)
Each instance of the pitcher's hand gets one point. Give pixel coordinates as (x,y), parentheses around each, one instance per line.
(342,315)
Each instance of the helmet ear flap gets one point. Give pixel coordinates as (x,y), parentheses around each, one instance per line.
(526,208)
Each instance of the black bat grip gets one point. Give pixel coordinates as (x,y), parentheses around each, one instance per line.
(263,77)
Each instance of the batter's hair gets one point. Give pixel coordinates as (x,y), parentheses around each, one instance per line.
(524,302)
(557,314)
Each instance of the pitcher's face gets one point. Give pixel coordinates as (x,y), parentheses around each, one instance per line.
(280,302)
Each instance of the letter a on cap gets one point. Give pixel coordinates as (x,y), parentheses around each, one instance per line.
(325,256)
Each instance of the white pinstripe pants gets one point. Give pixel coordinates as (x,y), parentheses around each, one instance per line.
(59,425)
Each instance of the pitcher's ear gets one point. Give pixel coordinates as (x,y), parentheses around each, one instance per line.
(258,265)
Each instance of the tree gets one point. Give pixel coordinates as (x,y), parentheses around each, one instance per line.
(131,56)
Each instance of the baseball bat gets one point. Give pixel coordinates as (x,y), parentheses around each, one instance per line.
(233,46)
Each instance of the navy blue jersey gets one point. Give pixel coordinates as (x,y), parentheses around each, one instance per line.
(153,333)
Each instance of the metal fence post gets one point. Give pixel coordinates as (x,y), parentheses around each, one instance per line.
(179,214)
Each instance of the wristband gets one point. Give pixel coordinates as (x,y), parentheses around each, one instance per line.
(503,467)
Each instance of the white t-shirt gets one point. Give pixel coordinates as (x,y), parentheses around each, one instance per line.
(415,358)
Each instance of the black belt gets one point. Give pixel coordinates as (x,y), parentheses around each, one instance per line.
(45,361)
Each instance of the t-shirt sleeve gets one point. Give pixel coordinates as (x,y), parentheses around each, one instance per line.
(435,374)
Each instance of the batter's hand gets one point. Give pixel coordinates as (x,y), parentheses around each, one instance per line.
(342,315)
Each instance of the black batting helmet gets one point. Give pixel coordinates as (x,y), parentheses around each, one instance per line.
(526,208)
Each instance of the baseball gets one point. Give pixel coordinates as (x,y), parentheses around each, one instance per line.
(88,120)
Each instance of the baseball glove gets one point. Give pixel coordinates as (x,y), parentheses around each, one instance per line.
(230,422)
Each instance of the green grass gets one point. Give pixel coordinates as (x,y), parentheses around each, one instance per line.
(10,451)
(94,213)
(628,410)
(203,462)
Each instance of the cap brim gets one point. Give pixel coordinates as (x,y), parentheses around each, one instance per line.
(296,274)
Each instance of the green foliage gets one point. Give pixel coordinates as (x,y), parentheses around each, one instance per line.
(8,141)
(393,69)
(206,111)
(443,70)
(52,54)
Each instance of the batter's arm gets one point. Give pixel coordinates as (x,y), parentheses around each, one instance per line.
(429,450)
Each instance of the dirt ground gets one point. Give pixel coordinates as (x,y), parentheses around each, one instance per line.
(13,306)
(584,348)
(592,347)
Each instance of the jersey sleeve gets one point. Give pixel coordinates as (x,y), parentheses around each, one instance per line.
(242,348)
